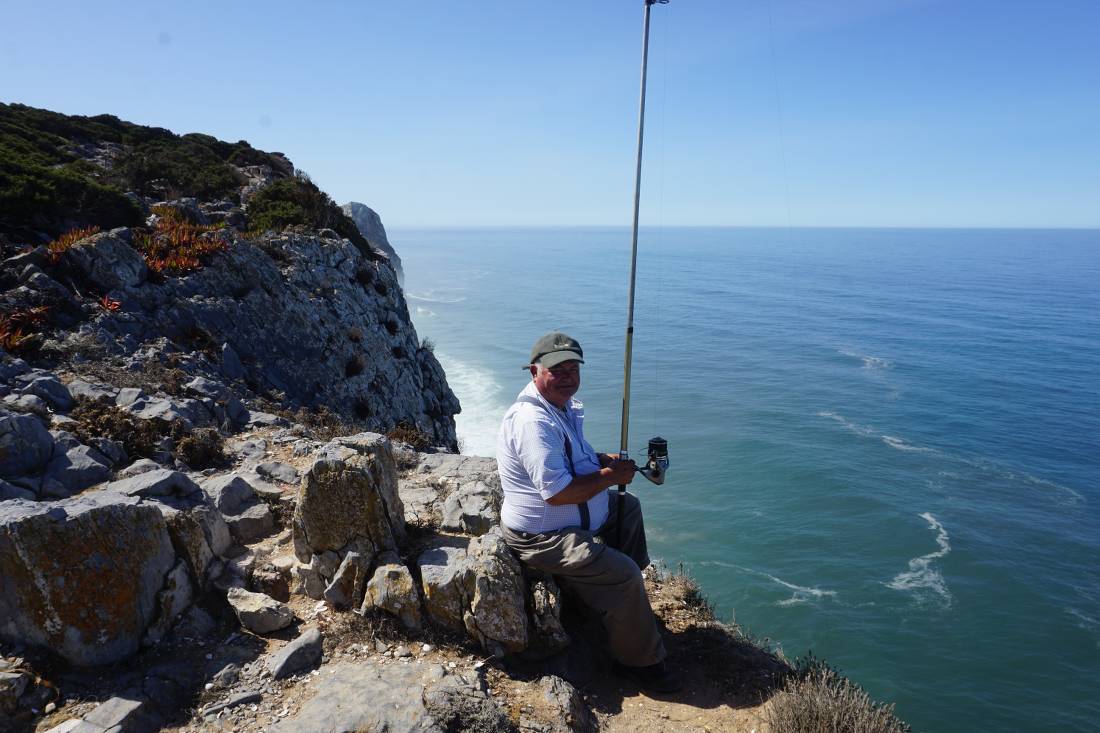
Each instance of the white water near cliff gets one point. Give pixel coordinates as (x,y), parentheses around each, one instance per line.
(884,442)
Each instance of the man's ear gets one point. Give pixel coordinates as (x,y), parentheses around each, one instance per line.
(534,370)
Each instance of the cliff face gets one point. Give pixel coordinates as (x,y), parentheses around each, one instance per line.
(370,225)
(233,268)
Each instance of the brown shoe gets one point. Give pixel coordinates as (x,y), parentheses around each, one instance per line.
(657,677)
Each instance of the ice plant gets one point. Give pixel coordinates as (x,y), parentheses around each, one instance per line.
(60,245)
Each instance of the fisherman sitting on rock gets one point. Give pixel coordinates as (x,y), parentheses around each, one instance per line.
(559,517)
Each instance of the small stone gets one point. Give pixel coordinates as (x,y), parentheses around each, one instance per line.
(50,707)
(451,665)
(426,648)
(208,686)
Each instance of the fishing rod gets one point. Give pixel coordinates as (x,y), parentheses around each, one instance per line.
(657,461)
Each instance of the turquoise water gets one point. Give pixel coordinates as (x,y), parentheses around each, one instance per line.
(884,443)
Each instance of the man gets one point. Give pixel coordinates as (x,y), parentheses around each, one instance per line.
(559,517)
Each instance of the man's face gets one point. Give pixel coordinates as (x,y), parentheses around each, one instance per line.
(559,384)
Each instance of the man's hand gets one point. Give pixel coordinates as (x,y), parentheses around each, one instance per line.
(583,488)
(622,472)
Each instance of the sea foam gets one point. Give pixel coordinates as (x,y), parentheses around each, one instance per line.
(483,405)
(922,578)
(800,593)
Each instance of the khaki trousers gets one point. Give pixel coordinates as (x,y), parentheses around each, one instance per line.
(607,579)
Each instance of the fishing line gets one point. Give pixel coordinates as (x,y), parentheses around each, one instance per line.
(660,239)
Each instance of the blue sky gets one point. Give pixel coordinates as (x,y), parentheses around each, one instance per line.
(516,112)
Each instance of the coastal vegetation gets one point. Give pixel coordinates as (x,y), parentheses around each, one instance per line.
(297,201)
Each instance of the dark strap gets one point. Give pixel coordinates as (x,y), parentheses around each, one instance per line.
(586,517)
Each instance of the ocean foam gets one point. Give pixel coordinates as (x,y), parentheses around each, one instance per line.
(483,405)
(922,578)
(429,296)
(801,594)
(424,312)
(869,432)
(869,362)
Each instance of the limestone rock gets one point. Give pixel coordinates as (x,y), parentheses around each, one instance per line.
(259,613)
(299,655)
(107,261)
(172,600)
(393,590)
(25,445)
(352,497)
(478,589)
(472,509)
(369,224)
(158,482)
(81,576)
(349,580)
(78,468)
(50,389)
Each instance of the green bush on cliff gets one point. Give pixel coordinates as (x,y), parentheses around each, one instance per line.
(48,186)
(298,202)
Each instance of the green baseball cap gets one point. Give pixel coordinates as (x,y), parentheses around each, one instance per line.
(554,348)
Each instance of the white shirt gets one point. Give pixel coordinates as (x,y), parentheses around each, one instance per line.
(533,464)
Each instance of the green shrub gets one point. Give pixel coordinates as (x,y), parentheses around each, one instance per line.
(47,188)
(298,202)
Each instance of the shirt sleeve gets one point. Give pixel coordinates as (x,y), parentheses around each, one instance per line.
(542,452)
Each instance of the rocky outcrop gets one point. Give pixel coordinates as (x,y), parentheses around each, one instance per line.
(305,319)
(81,576)
(370,226)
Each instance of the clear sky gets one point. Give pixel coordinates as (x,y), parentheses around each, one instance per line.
(517,112)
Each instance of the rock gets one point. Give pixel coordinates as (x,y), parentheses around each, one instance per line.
(349,498)
(478,589)
(81,576)
(258,419)
(25,445)
(11,491)
(346,589)
(278,471)
(231,366)
(12,685)
(28,403)
(90,391)
(568,711)
(299,655)
(241,698)
(141,465)
(107,261)
(548,634)
(158,482)
(357,697)
(120,714)
(78,468)
(259,613)
(308,580)
(172,600)
(393,590)
(370,226)
(473,509)
(229,492)
(251,523)
(50,389)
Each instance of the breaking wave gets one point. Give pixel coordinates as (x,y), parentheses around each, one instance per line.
(482,403)
(869,362)
(923,578)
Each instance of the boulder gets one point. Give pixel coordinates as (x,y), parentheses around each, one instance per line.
(172,600)
(25,445)
(50,389)
(158,482)
(300,655)
(478,589)
(81,576)
(346,589)
(349,495)
(251,523)
(78,468)
(259,613)
(357,697)
(393,590)
(107,261)
(472,509)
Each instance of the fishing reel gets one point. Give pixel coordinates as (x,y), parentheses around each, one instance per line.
(656,464)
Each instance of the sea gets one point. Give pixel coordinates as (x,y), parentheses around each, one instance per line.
(884,443)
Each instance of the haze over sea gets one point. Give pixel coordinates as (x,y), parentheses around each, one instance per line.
(884,443)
